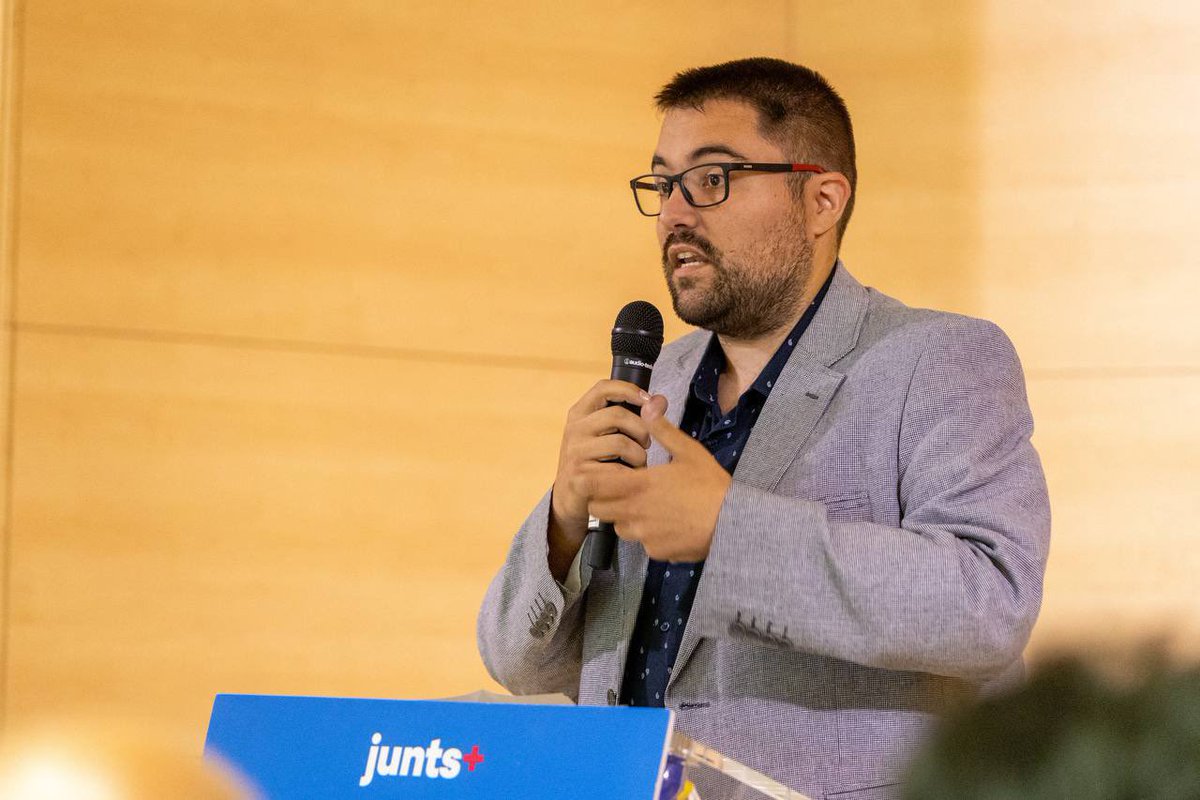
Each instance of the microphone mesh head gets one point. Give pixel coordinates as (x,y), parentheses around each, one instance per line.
(638,331)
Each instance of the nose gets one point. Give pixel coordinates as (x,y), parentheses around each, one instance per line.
(677,212)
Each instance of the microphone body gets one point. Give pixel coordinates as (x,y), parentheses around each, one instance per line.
(636,342)
(634,370)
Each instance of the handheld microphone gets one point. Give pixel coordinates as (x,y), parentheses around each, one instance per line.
(637,338)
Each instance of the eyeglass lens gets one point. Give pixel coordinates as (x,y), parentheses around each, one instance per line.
(703,185)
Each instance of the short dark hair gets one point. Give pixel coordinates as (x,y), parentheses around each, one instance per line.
(797,108)
(1070,732)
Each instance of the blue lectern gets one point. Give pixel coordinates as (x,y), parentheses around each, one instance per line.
(296,748)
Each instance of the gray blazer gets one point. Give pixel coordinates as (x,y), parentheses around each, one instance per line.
(879,555)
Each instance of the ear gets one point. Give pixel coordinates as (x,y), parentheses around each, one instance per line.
(827,195)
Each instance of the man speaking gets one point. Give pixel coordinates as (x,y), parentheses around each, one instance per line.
(835,524)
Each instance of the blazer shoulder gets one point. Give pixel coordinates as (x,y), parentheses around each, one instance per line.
(889,319)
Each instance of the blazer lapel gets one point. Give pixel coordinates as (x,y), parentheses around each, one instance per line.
(798,400)
(806,385)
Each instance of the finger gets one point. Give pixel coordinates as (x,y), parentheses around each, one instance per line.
(593,476)
(605,392)
(673,440)
(627,531)
(614,512)
(656,406)
(614,419)
(612,483)
(609,448)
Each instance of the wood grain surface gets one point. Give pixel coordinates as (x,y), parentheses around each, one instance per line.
(301,293)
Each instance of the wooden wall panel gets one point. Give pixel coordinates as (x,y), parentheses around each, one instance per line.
(1090,181)
(192,518)
(8,178)
(1122,458)
(908,72)
(304,290)
(1090,173)
(423,176)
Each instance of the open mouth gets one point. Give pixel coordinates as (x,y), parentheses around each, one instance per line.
(684,258)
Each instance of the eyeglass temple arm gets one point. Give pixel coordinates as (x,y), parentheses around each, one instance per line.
(780,167)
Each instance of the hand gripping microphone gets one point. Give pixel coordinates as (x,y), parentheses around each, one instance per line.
(637,338)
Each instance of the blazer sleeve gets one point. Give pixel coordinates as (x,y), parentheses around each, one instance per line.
(530,628)
(955,589)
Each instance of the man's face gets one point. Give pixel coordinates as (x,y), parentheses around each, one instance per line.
(739,268)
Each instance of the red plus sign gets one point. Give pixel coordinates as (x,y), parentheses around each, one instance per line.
(472,758)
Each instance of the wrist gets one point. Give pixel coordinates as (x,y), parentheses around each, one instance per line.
(564,537)
(568,528)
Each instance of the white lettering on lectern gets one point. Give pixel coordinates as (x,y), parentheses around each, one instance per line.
(430,761)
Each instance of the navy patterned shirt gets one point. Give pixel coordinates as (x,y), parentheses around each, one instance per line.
(670,588)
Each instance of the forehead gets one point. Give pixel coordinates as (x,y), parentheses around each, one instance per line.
(719,125)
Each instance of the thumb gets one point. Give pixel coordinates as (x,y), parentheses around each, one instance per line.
(662,430)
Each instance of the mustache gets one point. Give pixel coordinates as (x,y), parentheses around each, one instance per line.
(692,240)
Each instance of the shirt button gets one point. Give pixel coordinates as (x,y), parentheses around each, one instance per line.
(666,626)
(612,697)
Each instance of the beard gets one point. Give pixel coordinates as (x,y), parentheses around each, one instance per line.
(749,297)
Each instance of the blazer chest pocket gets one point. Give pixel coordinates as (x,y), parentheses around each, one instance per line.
(831,473)
(853,507)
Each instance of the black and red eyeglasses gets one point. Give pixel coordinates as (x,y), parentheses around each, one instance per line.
(703,185)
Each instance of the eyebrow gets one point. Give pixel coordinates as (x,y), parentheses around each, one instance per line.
(701,152)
